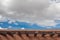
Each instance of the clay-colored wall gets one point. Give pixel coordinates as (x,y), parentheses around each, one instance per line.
(29,35)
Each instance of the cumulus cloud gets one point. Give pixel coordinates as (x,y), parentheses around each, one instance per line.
(53,11)
(3,28)
(35,11)
(47,23)
(2,18)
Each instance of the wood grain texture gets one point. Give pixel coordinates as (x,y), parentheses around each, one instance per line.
(29,35)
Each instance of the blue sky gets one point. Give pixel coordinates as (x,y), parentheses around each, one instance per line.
(24,25)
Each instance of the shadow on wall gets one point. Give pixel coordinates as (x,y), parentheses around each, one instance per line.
(29,35)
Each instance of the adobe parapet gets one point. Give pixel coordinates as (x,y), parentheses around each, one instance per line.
(30,34)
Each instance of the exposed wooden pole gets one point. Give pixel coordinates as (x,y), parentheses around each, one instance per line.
(25,37)
(17,37)
(39,36)
(9,37)
(48,37)
(3,37)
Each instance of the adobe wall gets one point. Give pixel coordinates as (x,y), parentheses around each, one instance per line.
(29,35)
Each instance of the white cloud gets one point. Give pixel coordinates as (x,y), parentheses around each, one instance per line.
(0,16)
(10,13)
(5,3)
(11,21)
(53,11)
(33,11)
(46,23)
(3,28)
(22,28)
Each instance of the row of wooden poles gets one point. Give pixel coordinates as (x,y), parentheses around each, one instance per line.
(31,36)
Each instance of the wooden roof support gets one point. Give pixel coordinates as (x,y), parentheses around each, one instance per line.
(25,37)
(40,37)
(29,35)
(55,37)
(48,37)
(17,37)
(9,37)
(3,37)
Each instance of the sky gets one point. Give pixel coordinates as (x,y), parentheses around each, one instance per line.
(43,13)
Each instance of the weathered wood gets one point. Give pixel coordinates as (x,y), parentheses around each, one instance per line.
(55,37)
(48,37)
(3,37)
(32,37)
(17,37)
(25,37)
(39,36)
(29,35)
(9,37)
